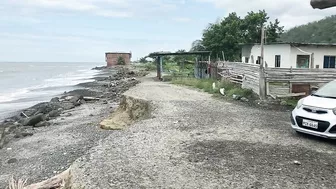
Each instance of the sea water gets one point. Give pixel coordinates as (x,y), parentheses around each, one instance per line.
(23,84)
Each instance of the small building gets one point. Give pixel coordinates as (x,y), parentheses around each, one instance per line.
(292,55)
(112,58)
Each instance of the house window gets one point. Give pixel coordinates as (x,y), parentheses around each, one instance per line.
(329,62)
(302,61)
(246,59)
(277,61)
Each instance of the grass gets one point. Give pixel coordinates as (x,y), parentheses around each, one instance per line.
(292,102)
(207,86)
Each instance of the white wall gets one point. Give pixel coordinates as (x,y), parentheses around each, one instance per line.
(246,52)
(269,54)
(319,53)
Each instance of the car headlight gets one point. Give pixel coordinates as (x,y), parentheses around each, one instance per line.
(300,103)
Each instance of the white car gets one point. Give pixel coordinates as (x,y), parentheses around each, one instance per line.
(316,114)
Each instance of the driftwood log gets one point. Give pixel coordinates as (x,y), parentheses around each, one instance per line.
(60,181)
(87,98)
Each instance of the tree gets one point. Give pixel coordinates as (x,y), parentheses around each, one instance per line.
(224,36)
(143,60)
(197,45)
(227,34)
(121,61)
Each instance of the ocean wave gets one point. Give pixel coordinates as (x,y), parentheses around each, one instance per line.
(50,86)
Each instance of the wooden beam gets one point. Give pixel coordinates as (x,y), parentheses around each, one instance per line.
(291,95)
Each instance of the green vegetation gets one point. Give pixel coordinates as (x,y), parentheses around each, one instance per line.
(121,61)
(207,86)
(227,34)
(292,102)
(323,31)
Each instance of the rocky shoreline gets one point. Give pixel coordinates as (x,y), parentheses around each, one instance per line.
(107,88)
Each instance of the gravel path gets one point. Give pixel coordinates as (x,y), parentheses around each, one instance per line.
(195,141)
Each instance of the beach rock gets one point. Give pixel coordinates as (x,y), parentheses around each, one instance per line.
(236,97)
(82,101)
(32,121)
(68,98)
(75,99)
(22,134)
(54,113)
(244,99)
(13,160)
(68,105)
(55,100)
(11,128)
(42,124)
(46,107)
(29,112)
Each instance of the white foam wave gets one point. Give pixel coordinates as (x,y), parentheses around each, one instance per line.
(47,86)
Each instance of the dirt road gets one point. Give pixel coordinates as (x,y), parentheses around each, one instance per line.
(195,141)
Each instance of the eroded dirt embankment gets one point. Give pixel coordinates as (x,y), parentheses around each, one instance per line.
(130,109)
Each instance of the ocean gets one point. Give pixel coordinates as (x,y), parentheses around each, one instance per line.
(24,84)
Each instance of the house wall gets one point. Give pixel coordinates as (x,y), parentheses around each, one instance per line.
(246,52)
(269,54)
(319,53)
(112,58)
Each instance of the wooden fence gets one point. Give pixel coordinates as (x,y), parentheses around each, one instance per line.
(295,81)
(245,74)
(280,82)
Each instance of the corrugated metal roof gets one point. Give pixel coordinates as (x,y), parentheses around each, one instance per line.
(294,43)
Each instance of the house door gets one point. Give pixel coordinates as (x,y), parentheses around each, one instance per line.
(329,62)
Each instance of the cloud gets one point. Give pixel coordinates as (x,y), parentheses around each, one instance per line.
(182,19)
(106,8)
(290,12)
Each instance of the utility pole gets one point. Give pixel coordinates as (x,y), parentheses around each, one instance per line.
(262,81)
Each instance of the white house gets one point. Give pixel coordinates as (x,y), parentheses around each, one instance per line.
(295,55)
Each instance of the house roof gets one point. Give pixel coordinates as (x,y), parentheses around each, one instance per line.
(322,4)
(296,44)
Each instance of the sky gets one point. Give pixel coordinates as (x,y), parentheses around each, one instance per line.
(83,30)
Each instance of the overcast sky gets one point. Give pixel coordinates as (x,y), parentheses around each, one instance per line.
(82,30)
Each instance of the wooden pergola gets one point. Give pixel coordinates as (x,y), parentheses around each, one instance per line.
(159,58)
(322,4)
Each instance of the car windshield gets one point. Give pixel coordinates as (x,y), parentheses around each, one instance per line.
(327,91)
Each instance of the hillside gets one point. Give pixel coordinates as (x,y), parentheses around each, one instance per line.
(323,31)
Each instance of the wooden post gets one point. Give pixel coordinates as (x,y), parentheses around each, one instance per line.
(161,68)
(262,83)
(158,68)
